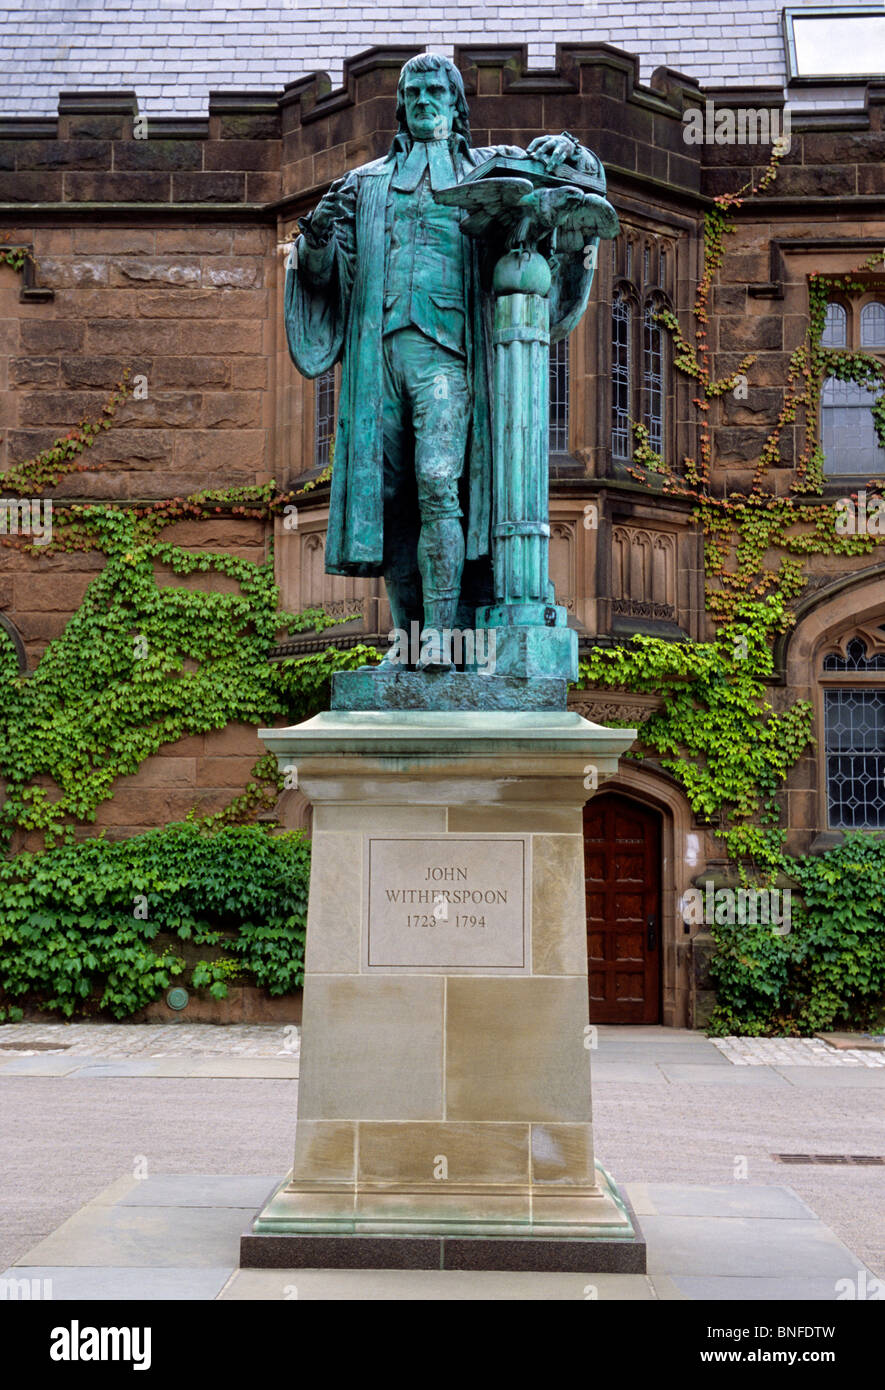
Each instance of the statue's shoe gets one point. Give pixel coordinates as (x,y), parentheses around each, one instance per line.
(429,666)
(392,666)
(389,665)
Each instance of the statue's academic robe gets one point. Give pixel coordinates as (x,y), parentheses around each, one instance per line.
(342,318)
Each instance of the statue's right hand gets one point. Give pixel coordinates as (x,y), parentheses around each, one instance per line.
(315,259)
(318,225)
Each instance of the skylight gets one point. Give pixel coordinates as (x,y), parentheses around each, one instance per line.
(836,42)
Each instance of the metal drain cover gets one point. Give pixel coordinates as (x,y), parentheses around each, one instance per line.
(830,1158)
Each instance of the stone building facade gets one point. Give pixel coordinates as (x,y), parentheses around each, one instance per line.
(160,247)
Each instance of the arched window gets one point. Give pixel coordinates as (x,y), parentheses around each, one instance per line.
(653,385)
(643,273)
(835,334)
(559,402)
(848,435)
(872,325)
(848,432)
(854,737)
(854,658)
(324,418)
(621,376)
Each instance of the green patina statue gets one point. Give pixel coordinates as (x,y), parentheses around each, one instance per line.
(396,274)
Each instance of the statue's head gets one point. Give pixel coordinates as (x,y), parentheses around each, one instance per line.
(430,100)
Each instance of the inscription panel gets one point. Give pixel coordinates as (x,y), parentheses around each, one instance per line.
(447,904)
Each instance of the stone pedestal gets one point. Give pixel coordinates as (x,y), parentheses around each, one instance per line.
(444,1115)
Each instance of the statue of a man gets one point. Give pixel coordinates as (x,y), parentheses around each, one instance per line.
(383,279)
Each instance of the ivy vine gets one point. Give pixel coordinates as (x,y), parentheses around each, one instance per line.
(143,663)
(15,256)
(63,456)
(101,926)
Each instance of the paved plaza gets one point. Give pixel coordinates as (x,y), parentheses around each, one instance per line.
(132,1158)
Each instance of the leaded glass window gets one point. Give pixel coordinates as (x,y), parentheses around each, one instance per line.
(855,752)
(872,325)
(324,418)
(559,362)
(639,362)
(835,334)
(848,431)
(653,378)
(621,369)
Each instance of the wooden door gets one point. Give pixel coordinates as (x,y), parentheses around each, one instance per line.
(622,871)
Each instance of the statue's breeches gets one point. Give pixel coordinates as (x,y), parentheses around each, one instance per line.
(426,419)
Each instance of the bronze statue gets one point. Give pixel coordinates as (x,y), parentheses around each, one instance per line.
(384,279)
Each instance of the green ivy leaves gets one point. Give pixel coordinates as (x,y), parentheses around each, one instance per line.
(717,733)
(829,971)
(74,937)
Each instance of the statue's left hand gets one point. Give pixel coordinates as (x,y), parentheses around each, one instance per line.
(552,149)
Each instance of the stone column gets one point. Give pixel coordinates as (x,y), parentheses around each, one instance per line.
(444,1116)
(532,636)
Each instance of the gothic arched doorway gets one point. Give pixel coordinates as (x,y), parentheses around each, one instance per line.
(622,876)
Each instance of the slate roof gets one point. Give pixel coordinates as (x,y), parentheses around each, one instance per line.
(171,53)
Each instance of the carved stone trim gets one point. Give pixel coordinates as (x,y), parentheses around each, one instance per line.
(604,706)
(344,607)
(642,608)
(872,636)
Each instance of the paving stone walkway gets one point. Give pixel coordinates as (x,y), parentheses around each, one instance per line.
(150,1040)
(794,1052)
(120,1040)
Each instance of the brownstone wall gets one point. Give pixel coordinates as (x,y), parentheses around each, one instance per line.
(187,307)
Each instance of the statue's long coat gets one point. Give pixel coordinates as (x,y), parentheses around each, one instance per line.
(343,319)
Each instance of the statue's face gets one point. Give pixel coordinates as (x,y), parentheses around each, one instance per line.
(430,105)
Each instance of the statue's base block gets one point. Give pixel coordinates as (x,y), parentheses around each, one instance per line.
(592,1231)
(532,640)
(389,688)
(444,1101)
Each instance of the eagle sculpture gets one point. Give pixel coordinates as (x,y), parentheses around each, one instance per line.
(530,214)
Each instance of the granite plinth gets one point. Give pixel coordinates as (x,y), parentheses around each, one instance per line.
(292,1234)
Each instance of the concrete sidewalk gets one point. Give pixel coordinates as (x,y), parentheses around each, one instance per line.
(641,1054)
